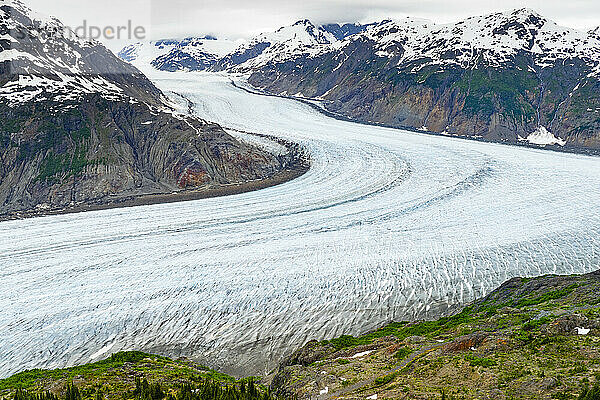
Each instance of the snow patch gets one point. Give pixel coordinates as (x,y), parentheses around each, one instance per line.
(582,331)
(102,351)
(542,137)
(362,354)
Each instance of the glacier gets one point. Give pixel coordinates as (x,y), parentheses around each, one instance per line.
(386,225)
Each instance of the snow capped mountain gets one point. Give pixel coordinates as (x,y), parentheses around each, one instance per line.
(500,76)
(343,31)
(492,39)
(143,53)
(192,53)
(395,38)
(300,39)
(42,60)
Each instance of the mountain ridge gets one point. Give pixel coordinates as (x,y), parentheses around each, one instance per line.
(501,77)
(512,76)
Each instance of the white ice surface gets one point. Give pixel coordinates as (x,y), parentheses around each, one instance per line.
(386,225)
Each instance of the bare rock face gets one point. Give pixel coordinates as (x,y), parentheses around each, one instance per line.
(309,353)
(80,126)
(104,150)
(567,324)
(467,342)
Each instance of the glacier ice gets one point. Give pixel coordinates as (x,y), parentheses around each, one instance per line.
(386,225)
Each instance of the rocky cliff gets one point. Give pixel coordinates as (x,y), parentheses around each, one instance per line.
(80,126)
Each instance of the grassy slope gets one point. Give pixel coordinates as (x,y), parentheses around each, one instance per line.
(115,377)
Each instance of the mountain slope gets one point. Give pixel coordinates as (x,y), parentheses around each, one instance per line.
(532,338)
(301,38)
(503,76)
(131,374)
(209,53)
(79,126)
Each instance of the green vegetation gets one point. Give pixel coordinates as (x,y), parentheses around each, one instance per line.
(131,375)
(503,90)
(480,361)
(517,343)
(402,330)
(207,389)
(22,394)
(384,380)
(402,353)
(592,393)
(535,324)
(63,140)
(26,379)
(553,295)
(67,163)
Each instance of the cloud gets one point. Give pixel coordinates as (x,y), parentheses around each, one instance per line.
(241,18)
(238,18)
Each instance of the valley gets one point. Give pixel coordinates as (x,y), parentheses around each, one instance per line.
(383,226)
(301,206)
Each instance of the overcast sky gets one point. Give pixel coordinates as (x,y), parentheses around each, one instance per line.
(244,18)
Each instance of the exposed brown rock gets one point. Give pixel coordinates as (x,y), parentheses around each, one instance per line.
(467,342)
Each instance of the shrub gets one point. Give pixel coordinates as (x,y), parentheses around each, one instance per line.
(592,393)
(535,324)
(384,380)
(402,353)
(480,361)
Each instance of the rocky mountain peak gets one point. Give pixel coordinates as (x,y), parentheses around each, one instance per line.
(190,53)
(303,22)
(492,39)
(43,60)
(342,31)
(303,32)
(525,14)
